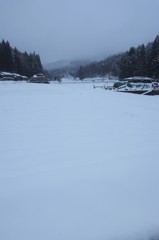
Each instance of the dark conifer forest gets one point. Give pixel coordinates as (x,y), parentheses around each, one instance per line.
(140,61)
(12,60)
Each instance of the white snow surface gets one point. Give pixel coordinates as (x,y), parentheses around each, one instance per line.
(77,163)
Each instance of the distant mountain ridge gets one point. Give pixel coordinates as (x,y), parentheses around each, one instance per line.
(66,64)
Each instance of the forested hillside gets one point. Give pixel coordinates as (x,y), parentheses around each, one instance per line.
(12,60)
(140,61)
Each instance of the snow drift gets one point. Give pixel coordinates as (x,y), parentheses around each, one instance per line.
(77,163)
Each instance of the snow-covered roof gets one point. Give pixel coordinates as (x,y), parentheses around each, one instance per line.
(6,73)
(13,75)
(138,78)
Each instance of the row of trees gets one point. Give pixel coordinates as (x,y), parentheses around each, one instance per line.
(140,61)
(12,60)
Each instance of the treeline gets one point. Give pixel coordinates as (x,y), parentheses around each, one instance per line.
(12,60)
(140,61)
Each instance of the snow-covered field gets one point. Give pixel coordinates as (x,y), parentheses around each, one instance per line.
(77,163)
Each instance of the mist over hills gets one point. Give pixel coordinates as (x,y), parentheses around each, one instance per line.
(136,61)
(66,66)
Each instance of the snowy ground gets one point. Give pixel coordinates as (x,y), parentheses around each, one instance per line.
(77,163)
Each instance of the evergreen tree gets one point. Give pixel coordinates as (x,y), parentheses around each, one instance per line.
(141,61)
(148,60)
(22,63)
(155,58)
(132,62)
(6,59)
(17,61)
(81,74)
(124,71)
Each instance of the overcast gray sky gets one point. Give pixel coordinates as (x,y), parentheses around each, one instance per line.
(73,29)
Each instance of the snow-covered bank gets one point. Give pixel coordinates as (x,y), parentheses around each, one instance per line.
(77,163)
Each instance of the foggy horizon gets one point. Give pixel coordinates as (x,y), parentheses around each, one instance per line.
(74,30)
